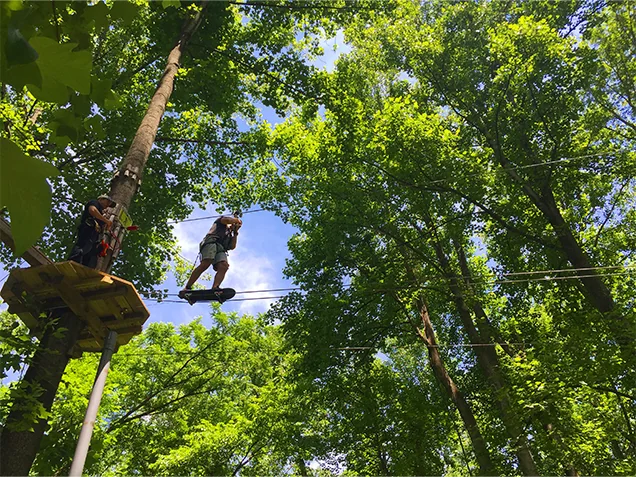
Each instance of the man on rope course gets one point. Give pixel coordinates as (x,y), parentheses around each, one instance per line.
(93,223)
(213,249)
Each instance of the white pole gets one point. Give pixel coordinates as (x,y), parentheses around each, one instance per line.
(84,441)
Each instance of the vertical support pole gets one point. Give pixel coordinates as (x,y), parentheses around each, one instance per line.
(77,466)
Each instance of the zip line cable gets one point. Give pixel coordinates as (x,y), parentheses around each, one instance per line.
(211,217)
(628,272)
(627,269)
(341,348)
(530,166)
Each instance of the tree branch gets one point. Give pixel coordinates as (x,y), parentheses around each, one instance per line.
(162,386)
(611,211)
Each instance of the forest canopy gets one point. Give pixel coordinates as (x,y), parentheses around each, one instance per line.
(461,187)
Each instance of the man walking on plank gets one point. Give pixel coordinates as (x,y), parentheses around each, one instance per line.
(221,237)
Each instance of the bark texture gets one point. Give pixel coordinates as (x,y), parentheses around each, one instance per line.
(19,447)
(488,362)
(427,335)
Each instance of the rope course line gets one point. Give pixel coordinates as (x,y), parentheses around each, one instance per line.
(172,222)
(530,166)
(159,301)
(343,348)
(385,290)
(628,269)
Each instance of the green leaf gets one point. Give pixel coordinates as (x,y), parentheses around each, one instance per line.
(67,124)
(112,100)
(81,105)
(12,5)
(170,3)
(124,11)
(97,13)
(19,76)
(94,124)
(61,64)
(51,91)
(100,89)
(25,192)
(17,49)
(103,95)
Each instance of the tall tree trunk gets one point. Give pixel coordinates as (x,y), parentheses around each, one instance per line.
(20,448)
(128,179)
(19,445)
(595,290)
(487,330)
(426,333)
(482,455)
(488,362)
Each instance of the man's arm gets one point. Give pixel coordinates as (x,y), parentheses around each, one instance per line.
(235,229)
(231,221)
(97,214)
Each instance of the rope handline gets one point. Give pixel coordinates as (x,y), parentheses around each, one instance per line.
(500,282)
(627,268)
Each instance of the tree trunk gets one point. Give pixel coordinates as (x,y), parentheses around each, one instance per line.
(593,286)
(489,364)
(485,329)
(484,326)
(19,447)
(482,455)
(302,467)
(128,179)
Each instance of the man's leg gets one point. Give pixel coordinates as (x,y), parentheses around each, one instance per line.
(221,270)
(81,251)
(76,254)
(90,259)
(196,273)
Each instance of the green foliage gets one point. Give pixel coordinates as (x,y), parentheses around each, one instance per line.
(25,192)
(195,400)
(60,67)
(459,156)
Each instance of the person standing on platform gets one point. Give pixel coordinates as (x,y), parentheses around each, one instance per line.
(93,223)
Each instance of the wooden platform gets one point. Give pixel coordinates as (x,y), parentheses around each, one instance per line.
(102,301)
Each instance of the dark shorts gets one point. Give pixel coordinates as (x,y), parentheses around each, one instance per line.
(212,251)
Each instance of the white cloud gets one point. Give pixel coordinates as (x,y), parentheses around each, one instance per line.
(188,237)
(251,271)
